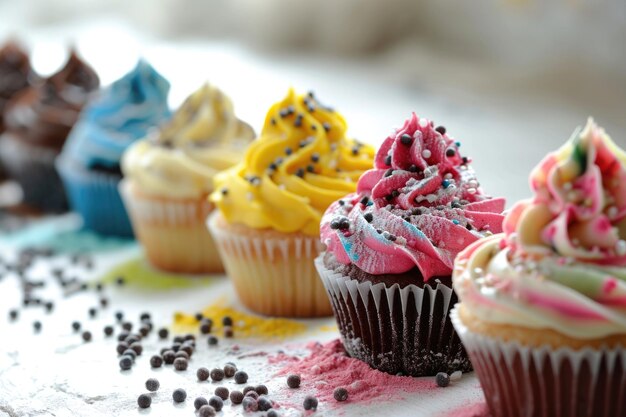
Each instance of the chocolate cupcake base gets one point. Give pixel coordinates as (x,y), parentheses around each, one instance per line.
(32,167)
(396,324)
(521,381)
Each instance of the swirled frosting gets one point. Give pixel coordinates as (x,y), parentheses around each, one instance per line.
(419,207)
(203,137)
(118,116)
(294,170)
(560,263)
(15,74)
(43,114)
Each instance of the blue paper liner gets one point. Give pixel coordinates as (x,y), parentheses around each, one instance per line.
(95,196)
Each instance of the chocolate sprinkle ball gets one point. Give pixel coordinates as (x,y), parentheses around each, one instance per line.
(144,401)
(179,395)
(340,394)
(310,403)
(236,397)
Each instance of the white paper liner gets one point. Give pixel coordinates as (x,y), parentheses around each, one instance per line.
(34,170)
(393,328)
(172,232)
(522,381)
(272,276)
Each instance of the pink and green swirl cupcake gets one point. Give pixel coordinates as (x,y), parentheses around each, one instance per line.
(546,300)
(390,249)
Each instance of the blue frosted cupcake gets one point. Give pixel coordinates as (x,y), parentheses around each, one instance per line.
(90,162)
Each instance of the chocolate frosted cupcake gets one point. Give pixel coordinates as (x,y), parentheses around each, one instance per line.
(37,122)
(543,305)
(15,75)
(89,165)
(390,249)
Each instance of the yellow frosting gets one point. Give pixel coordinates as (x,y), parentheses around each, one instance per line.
(298,166)
(203,138)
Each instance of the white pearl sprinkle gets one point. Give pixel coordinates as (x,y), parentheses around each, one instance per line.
(423,122)
(456,375)
(471,190)
(426,154)
(478,271)
(473,183)
(620,248)
(567,186)
(612,212)
(448,176)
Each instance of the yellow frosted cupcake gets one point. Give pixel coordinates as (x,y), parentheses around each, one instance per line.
(168,177)
(271,204)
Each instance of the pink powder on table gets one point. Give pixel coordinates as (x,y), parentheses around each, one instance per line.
(328,367)
(474,410)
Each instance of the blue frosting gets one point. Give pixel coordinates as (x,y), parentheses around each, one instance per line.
(120,114)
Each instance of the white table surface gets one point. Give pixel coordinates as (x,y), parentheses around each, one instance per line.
(54,373)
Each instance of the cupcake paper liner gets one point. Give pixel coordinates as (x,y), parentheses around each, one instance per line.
(522,381)
(32,167)
(95,196)
(272,276)
(396,330)
(173,232)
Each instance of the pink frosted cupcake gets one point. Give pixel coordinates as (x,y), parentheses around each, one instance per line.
(543,306)
(391,247)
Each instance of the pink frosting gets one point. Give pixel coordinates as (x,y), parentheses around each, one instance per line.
(419,207)
(579,207)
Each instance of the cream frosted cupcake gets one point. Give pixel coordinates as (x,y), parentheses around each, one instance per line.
(168,177)
(271,204)
(543,306)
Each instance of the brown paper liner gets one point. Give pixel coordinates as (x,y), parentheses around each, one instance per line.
(273,273)
(522,381)
(173,232)
(396,330)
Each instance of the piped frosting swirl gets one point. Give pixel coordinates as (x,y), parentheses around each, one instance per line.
(299,165)
(418,207)
(118,116)
(203,137)
(43,114)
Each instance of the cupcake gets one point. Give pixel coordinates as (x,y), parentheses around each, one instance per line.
(542,309)
(271,204)
(90,161)
(37,122)
(390,249)
(15,75)
(169,176)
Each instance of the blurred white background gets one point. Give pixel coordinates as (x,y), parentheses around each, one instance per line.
(511,79)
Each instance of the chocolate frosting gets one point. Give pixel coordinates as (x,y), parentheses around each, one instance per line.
(44,114)
(15,74)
